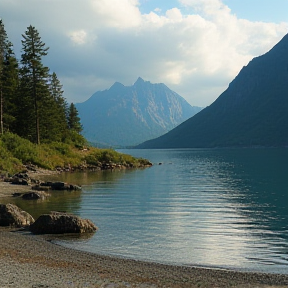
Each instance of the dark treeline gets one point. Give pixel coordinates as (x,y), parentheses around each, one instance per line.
(31,98)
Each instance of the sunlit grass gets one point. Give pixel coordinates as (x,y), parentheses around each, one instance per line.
(16,151)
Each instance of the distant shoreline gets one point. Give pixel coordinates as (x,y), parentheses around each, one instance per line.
(33,261)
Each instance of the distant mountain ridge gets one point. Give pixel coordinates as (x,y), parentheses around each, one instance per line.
(253,111)
(129,115)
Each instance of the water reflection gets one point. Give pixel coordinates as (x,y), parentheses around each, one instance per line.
(211,207)
(243,214)
(58,201)
(68,201)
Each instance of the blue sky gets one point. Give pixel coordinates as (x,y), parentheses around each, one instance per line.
(195,47)
(254,10)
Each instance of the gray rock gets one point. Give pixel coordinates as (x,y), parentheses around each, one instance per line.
(11,215)
(60,222)
(19,181)
(35,195)
(59,186)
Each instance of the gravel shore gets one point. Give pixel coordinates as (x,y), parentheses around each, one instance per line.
(7,189)
(33,261)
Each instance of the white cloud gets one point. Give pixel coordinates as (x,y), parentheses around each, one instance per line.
(94,43)
(117,13)
(174,15)
(78,37)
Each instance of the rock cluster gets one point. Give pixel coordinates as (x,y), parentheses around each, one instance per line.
(53,223)
(59,186)
(19,179)
(24,179)
(100,166)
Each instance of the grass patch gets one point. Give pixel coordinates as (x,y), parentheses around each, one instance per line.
(16,151)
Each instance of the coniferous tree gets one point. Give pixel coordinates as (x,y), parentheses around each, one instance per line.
(32,102)
(56,124)
(34,86)
(3,49)
(73,119)
(10,80)
(56,91)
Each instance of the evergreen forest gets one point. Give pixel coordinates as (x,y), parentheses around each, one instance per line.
(36,123)
(32,102)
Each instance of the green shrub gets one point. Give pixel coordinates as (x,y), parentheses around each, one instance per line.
(8,163)
(73,138)
(16,151)
(20,148)
(109,155)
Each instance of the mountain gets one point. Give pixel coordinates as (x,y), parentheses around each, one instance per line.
(129,115)
(253,111)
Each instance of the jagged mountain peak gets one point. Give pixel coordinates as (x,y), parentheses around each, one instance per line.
(129,115)
(116,85)
(140,82)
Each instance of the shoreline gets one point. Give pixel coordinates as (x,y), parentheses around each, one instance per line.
(29,260)
(59,241)
(7,189)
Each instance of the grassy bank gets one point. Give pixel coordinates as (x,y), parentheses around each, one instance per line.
(16,151)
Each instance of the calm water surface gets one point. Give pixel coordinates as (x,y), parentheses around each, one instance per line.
(224,208)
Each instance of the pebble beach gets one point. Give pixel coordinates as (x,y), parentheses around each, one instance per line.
(28,260)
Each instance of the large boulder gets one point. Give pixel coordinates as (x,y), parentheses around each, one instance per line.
(11,215)
(60,222)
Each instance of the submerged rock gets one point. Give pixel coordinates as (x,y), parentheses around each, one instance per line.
(64,186)
(35,195)
(12,215)
(60,222)
(56,186)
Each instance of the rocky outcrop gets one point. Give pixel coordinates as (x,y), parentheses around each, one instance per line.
(21,179)
(11,215)
(60,222)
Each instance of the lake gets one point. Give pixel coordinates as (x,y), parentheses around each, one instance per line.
(223,208)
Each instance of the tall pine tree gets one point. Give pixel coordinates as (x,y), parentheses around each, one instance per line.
(10,80)
(3,50)
(34,85)
(73,119)
(56,126)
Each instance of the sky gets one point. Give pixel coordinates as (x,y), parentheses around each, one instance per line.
(195,47)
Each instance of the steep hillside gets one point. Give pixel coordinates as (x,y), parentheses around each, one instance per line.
(129,115)
(253,111)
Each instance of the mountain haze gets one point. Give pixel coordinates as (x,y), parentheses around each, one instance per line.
(253,111)
(129,115)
